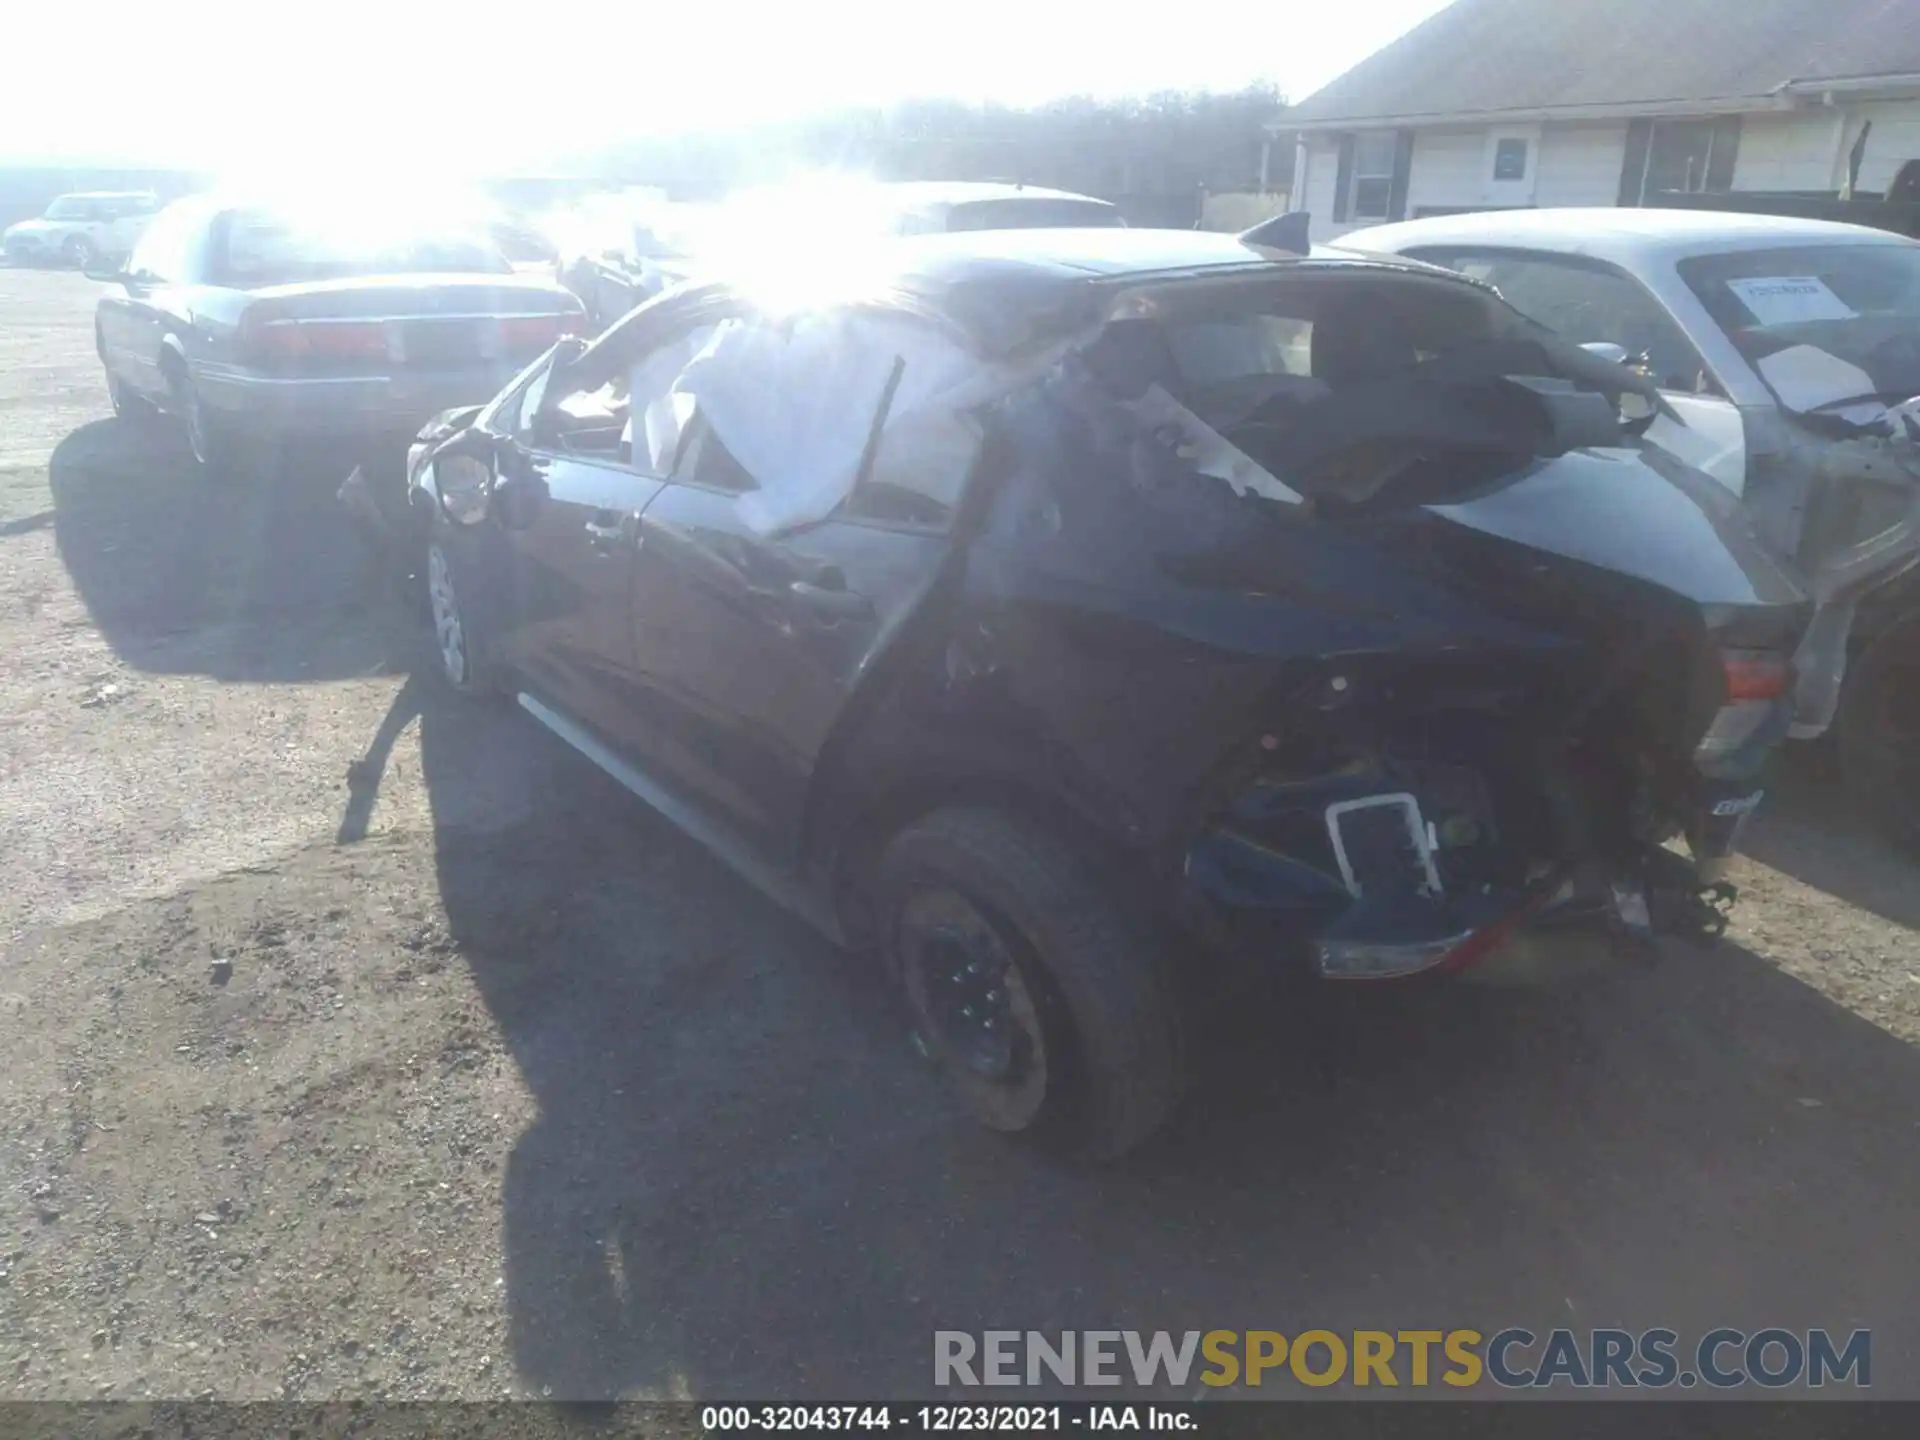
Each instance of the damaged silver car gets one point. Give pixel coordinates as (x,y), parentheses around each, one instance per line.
(1074,619)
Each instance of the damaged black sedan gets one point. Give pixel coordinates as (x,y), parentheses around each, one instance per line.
(1077,615)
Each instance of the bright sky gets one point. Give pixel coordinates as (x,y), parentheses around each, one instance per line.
(358,85)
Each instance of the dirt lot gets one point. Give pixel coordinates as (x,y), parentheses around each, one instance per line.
(362,1043)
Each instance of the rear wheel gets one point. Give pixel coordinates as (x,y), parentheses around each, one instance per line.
(214,441)
(1879,732)
(1043,1004)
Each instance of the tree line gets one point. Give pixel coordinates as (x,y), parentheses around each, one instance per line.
(1155,156)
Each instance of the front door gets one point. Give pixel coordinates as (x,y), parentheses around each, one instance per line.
(573,554)
(585,453)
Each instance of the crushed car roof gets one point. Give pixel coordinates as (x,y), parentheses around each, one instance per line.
(1006,288)
(1002,285)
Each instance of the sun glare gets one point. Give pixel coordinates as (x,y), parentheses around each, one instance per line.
(807,243)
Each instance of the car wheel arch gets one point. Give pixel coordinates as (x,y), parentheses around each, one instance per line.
(883,770)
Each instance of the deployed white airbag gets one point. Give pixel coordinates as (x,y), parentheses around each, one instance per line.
(796,404)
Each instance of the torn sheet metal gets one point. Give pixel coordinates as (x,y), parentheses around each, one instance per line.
(1207,450)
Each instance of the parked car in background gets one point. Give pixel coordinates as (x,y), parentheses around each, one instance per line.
(81,230)
(618,250)
(1789,350)
(937,207)
(1080,593)
(636,253)
(245,320)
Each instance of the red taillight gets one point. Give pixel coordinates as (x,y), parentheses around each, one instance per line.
(267,336)
(1755,681)
(1755,674)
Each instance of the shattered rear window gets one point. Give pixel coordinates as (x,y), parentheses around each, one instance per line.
(1348,390)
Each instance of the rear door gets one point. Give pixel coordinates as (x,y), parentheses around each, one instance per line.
(750,643)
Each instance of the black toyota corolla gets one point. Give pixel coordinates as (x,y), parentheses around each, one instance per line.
(1072,616)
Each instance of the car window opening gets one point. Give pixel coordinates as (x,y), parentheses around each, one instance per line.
(1350,392)
(1858,305)
(265,248)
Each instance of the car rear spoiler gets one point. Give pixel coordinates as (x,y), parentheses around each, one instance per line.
(1288,233)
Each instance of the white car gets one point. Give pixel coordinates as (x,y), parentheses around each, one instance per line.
(1789,351)
(81,230)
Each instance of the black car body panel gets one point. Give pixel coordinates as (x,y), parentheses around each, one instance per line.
(1435,697)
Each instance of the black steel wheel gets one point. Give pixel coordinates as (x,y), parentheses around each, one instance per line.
(1040,999)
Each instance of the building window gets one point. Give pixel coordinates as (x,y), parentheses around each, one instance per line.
(1688,156)
(1510,160)
(1373,156)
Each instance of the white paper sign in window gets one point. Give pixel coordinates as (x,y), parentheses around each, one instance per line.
(1789,299)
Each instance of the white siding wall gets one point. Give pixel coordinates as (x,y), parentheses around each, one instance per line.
(1447,167)
(1807,151)
(1580,164)
(1789,152)
(1317,195)
(1895,140)
(1453,167)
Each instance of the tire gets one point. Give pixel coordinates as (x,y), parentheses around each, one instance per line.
(215,444)
(462,642)
(1043,1004)
(78,252)
(1879,733)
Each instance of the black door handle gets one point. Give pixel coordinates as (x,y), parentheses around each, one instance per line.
(606,530)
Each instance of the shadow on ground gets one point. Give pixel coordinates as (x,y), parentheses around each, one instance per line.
(1809,831)
(743,1184)
(258,579)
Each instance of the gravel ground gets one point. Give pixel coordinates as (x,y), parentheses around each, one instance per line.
(362,1043)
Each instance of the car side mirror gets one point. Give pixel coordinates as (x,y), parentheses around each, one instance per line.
(1607,350)
(113,276)
(463,477)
